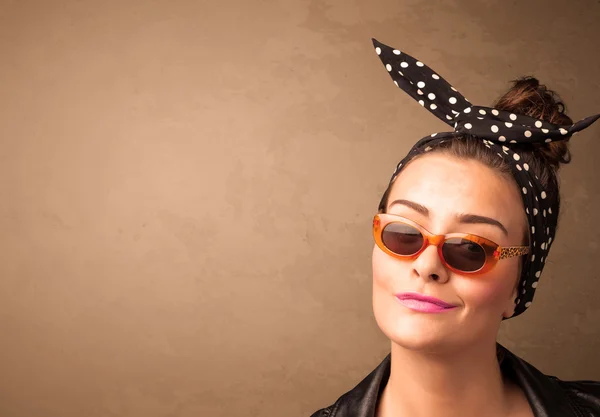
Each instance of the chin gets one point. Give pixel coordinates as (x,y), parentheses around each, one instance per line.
(417,331)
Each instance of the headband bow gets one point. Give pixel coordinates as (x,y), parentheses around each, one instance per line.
(497,129)
(447,104)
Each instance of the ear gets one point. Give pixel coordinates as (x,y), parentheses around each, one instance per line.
(511,304)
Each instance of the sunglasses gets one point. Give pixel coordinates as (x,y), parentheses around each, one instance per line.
(463,253)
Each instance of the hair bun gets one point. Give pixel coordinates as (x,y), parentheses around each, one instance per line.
(530,98)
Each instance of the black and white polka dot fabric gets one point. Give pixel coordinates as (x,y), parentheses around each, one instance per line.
(498,130)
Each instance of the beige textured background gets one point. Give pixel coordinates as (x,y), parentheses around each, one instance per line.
(187,187)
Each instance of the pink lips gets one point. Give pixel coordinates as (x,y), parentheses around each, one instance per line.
(423,303)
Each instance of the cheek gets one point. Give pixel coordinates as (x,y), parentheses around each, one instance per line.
(385,269)
(490,291)
(390,277)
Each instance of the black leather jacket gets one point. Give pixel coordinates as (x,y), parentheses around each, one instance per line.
(548,396)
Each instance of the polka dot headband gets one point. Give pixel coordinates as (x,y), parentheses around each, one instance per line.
(497,129)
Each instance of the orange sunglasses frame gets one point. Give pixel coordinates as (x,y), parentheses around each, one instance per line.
(493,252)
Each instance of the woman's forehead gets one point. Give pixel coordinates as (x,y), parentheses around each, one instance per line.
(449,185)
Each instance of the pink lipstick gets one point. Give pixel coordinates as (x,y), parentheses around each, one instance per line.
(423,303)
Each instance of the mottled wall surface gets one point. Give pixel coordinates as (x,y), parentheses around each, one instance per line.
(187,188)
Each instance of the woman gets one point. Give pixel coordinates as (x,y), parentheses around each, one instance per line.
(461,238)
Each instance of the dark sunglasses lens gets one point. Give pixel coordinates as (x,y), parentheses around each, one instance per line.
(463,254)
(402,239)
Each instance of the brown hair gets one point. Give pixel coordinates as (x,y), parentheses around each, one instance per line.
(527,97)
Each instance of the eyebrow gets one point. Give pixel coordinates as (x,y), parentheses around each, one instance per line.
(466,218)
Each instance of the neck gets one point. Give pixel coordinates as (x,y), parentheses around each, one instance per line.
(464,382)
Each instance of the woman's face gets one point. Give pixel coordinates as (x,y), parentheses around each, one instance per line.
(445,188)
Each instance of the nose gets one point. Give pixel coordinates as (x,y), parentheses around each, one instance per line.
(429,266)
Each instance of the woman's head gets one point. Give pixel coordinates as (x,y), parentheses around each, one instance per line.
(455,187)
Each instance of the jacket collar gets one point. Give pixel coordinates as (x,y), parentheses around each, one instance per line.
(545,396)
